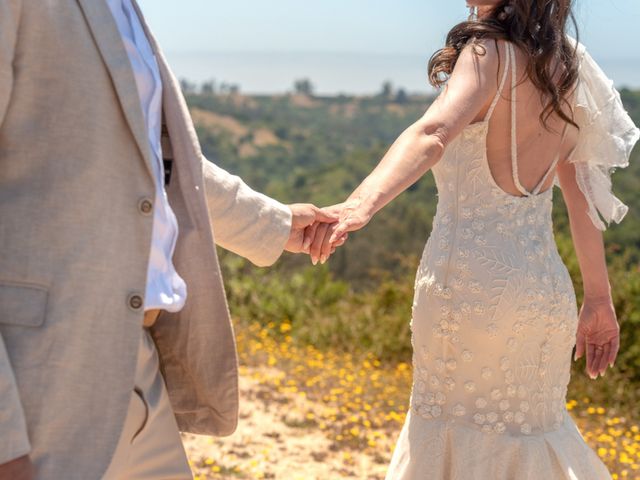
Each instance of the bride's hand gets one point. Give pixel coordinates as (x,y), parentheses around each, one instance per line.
(354,215)
(598,335)
(322,239)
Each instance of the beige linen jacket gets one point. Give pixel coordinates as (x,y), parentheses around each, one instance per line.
(75,167)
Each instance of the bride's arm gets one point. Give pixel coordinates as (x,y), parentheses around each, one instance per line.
(598,331)
(467,94)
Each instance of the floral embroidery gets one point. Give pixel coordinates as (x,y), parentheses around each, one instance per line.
(501,313)
(492,417)
(459,410)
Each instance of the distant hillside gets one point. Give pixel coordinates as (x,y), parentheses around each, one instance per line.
(302,148)
(352,73)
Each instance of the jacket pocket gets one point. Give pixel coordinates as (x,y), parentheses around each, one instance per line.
(23,304)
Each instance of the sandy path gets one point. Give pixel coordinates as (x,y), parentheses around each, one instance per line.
(273,441)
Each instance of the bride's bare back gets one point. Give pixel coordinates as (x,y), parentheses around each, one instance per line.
(537,149)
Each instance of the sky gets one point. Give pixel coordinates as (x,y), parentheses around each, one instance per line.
(349,40)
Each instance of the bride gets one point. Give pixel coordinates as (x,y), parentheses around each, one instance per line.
(494,319)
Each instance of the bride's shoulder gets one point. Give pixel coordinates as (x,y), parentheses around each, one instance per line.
(483,47)
(481,54)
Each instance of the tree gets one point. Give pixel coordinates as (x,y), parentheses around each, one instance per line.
(303,87)
(402,97)
(229,88)
(208,88)
(187,86)
(387,90)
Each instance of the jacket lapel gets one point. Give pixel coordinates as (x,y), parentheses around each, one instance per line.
(109,42)
(187,156)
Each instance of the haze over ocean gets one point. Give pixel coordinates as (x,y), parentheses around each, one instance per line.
(349,46)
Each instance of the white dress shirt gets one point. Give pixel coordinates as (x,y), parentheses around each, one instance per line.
(165,289)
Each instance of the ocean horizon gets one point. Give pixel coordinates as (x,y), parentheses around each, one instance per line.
(336,73)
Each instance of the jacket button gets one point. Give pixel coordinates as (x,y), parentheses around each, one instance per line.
(145,206)
(135,302)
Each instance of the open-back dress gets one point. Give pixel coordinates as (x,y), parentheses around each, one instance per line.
(495,316)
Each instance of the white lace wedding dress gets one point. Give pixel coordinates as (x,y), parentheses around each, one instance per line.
(495,315)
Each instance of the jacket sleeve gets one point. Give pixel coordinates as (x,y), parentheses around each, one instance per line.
(244,221)
(14,441)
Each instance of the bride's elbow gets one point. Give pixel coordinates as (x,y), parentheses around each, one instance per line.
(433,140)
(439,140)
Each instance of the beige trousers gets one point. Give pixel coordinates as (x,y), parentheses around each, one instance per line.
(150,447)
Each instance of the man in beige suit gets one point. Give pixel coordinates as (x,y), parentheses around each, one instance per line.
(91,225)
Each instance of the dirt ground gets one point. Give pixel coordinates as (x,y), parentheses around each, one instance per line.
(275,442)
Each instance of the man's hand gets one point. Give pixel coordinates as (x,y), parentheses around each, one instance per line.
(316,237)
(304,215)
(323,238)
(18,469)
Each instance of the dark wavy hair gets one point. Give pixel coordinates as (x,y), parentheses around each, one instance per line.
(538,28)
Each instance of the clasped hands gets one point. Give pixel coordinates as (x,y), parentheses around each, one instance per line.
(320,231)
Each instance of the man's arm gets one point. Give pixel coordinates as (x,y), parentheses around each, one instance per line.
(251,224)
(244,221)
(14,441)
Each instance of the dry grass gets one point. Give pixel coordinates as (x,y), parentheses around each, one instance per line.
(217,123)
(247,140)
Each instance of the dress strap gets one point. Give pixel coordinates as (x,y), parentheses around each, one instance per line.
(554,163)
(503,81)
(514,139)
